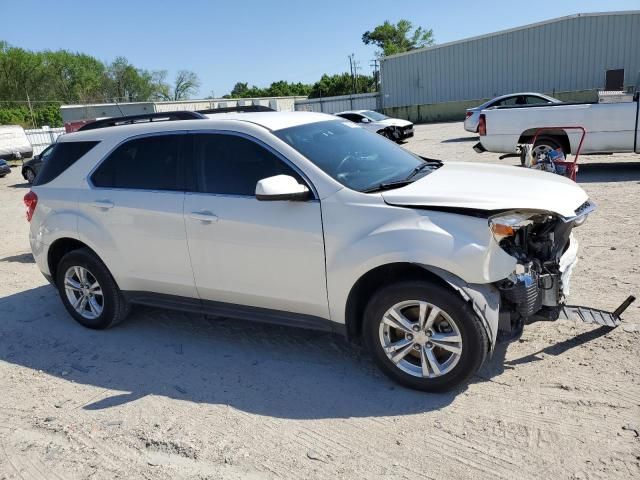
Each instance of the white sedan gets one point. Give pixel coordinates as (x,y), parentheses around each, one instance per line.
(392,128)
(473,114)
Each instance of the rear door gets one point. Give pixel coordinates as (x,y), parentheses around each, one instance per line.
(266,254)
(134,208)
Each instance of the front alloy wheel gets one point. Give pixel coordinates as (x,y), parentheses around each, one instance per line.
(421,339)
(424,335)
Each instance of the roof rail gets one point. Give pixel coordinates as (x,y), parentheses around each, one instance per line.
(144,118)
(238,109)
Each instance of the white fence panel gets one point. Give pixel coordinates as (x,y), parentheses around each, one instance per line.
(41,138)
(361,101)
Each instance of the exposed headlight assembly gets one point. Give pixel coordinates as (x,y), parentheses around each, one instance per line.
(506,224)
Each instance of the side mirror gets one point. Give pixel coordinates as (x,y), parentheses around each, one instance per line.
(36,157)
(365,120)
(281,187)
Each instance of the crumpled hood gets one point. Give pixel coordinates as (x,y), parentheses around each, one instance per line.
(490,187)
(394,122)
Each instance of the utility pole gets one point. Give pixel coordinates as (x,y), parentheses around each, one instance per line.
(356,66)
(33,119)
(352,67)
(376,73)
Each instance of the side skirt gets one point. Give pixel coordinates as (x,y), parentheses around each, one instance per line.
(230,310)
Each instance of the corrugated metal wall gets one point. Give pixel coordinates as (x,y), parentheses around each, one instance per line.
(361,101)
(568,54)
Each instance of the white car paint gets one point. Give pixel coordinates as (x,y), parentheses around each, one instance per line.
(365,119)
(611,127)
(472,116)
(298,257)
(491,187)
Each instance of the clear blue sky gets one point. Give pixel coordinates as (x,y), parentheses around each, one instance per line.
(257,41)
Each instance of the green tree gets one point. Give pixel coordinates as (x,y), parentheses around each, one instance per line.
(239,90)
(186,84)
(341,84)
(73,77)
(126,83)
(397,38)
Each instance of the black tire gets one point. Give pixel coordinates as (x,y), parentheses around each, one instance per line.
(545,143)
(29,175)
(475,343)
(114,308)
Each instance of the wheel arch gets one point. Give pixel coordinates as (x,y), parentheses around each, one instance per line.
(483,299)
(375,279)
(559,135)
(60,247)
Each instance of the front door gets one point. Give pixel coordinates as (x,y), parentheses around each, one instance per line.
(250,252)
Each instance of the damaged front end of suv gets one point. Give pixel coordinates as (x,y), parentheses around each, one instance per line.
(546,253)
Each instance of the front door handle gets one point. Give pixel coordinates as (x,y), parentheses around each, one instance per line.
(102,204)
(204,216)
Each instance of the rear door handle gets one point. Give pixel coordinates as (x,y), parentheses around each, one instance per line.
(204,216)
(102,204)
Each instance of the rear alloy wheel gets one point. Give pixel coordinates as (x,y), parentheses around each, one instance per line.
(424,336)
(88,290)
(84,292)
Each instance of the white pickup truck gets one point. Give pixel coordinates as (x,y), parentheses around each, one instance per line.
(610,127)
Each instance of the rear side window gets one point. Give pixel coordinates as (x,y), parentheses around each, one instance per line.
(61,157)
(233,165)
(149,163)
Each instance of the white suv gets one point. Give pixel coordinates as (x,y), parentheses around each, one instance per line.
(307,220)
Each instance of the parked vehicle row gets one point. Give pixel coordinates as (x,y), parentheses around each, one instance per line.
(421,261)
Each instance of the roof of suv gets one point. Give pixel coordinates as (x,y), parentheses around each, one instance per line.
(268,120)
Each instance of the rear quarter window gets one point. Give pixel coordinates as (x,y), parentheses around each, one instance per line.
(60,158)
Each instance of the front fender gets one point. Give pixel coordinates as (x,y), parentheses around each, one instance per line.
(458,244)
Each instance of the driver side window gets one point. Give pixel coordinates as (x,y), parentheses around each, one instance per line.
(233,165)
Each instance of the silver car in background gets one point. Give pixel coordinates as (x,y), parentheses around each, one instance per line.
(527,98)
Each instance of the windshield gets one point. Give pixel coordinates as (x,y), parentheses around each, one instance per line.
(375,116)
(355,157)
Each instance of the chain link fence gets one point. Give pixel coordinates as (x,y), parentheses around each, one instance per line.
(41,138)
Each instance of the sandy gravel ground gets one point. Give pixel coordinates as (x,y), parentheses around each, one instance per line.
(169,395)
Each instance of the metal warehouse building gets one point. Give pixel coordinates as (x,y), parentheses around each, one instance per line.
(569,57)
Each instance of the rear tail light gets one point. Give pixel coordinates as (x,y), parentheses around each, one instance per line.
(468,115)
(482,126)
(30,200)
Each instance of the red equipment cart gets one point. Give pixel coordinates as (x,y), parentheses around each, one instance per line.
(567,168)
